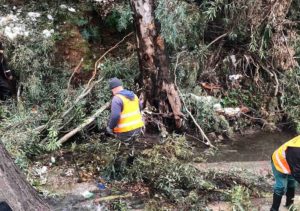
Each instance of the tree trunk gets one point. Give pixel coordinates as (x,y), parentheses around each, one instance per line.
(158,81)
(14,189)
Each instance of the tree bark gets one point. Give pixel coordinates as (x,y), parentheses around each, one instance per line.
(14,189)
(158,82)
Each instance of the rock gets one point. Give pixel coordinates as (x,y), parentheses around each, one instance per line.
(212,136)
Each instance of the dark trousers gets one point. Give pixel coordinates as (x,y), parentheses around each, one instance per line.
(5,90)
(130,135)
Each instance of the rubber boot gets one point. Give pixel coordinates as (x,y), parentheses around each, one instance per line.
(276,202)
(290,194)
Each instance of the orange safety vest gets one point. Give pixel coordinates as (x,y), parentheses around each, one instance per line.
(279,158)
(131,117)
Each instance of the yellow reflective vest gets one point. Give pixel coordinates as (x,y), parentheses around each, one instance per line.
(279,156)
(131,117)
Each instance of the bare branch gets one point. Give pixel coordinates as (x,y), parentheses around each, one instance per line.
(86,122)
(74,71)
(109,50)
(207,141)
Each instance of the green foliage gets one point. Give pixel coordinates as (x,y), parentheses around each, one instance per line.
(119,205)
(238,97)
(240,198)
(180,22)
(121,17)
(227,13)
(189,66)
(212,8)
(202,107)
(294,11)
(162,170)
(44,94)
(291,96)
(126,69)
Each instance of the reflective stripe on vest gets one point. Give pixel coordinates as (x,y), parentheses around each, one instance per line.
(279,157)
(131,117)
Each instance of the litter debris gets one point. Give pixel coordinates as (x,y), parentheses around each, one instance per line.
(50,17)
(87,194)
(235,77)
(41,170)
(70,172)
(232,111)
(101,186)
(53,160)
(218,107)
(47,33)
(34,15)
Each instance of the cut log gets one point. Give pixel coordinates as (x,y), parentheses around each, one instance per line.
(15,190)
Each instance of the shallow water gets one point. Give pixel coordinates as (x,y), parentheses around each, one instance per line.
(252,147)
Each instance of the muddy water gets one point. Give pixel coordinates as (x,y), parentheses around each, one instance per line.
(252,147)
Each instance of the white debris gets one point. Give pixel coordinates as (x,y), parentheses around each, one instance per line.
(47,33)
(206,99)
(235,77)
(53,160)
(12,27)
(63,6)
(71,9)
(70,172)
(13,31)
(233,60)
(34,15)
(232,111)
(50,17)
(41,171)
(8,19)
(101,1)
(218,107)
(87,194)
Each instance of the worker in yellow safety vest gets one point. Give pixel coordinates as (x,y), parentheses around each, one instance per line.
(126,119)
(286,170)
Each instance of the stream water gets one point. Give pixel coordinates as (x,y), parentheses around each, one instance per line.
(252,147)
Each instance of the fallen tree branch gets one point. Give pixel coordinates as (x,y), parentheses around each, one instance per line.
(113,197)
(207,141)
(215,40)
(84,93)
(109,50)
(277,84)
(90,86)
(88,121)
(74,71)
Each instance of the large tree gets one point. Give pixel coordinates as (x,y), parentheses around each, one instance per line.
(14,189)
(158,81)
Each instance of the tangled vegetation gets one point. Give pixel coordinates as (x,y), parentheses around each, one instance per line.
(166,169)
(224,54)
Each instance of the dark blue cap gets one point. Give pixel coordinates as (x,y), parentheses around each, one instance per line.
(114,82)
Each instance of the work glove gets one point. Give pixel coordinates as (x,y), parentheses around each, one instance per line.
(109,131)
